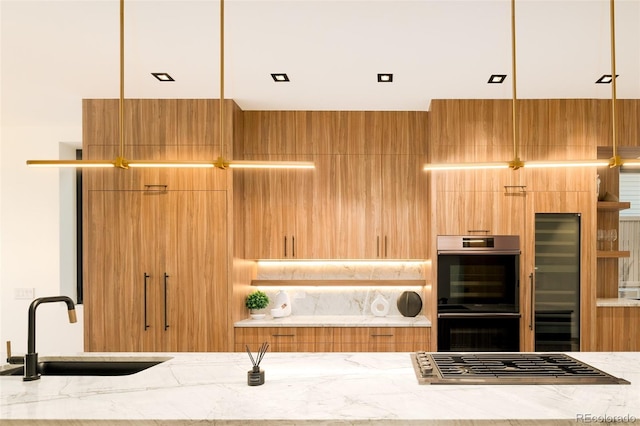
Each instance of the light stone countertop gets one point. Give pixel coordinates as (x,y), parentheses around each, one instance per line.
(312,388)
(617,302)
(336,321)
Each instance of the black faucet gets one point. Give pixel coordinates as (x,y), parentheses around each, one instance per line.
(31,358)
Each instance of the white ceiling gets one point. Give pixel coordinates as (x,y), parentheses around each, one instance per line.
(54,53)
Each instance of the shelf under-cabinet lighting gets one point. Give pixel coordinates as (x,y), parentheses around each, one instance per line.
(313,262)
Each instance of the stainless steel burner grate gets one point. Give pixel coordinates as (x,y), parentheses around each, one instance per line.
(506,368)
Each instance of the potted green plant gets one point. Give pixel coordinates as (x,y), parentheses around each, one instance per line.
(256,301)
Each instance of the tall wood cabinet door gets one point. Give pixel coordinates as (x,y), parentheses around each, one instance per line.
(349,222)
(405,218)
(264,204)
(278,208)
(115,268)
(192,231)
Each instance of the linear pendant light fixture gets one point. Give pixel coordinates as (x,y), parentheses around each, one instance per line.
(122,163)
(516,163)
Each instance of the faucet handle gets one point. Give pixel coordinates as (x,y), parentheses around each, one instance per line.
(13,359)
(72,315)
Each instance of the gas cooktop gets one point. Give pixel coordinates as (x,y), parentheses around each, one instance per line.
(506,368)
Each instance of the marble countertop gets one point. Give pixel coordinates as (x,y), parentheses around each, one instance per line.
(336,321)
(617,302)
(313,388)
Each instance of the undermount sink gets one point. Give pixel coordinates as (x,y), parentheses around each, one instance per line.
(88,367)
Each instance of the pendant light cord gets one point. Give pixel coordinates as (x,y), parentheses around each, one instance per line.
(514,112)
(120,161)
(222,146)
(121,103)
(613,79)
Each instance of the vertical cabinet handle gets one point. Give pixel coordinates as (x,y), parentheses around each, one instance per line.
(166,324)
(533,302)
(385,247)
(146,282)
(378,246)
(293,246)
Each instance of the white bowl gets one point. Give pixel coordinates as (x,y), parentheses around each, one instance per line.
(257,316)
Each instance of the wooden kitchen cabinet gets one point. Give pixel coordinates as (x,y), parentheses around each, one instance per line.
(618,329)
(480,213)
(277,206)
(155,242)
(366,199)
(376,207)
(285,339)
(333,339)
(381,339)
(405,208)
(346,222)
(155,275)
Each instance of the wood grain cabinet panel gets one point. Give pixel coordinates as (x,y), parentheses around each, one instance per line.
(618,329)
(404,209)
(285,339)
(366,199)
(381,339)
(376,207)
(347,222)
(333,339)
(479,213)
(155,271)
(277,205)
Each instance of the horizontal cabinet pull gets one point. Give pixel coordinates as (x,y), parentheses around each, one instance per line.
(155,187)
(382,335)
(283,335)
(475,231)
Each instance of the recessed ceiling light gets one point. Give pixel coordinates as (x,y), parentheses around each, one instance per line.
(606,79)
(162,76)
(385,78)
(280,77)
(497,78)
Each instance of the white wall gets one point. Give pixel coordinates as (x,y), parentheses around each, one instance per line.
(31,237)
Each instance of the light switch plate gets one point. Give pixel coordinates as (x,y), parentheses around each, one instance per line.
(24,293)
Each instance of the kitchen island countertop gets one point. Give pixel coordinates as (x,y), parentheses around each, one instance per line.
(313,388)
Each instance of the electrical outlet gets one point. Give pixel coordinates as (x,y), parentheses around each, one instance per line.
(24,293)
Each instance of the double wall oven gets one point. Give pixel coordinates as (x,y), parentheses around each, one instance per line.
(478,293)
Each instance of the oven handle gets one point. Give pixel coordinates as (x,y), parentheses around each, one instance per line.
(478,251)
(533,301)
(479,315)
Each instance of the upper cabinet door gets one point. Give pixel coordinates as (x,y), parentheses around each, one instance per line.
(277,211)
(480,213)
(405,207)
(347,220)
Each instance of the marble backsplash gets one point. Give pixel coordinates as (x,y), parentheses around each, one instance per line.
(340,300)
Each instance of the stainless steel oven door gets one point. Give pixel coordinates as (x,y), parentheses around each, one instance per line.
(478,333)
(478,282)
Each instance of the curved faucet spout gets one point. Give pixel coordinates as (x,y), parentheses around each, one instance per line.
(31,358)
